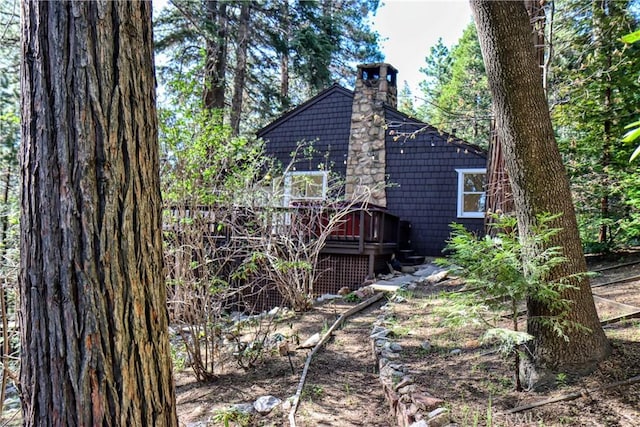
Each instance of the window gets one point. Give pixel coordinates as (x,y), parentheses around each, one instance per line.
(471,192)
(305,185)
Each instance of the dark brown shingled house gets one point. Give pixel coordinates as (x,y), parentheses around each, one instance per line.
(436,178)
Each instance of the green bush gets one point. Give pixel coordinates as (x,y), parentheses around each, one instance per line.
(502,271)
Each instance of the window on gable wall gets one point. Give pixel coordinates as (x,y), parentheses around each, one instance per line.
(471,192)
(302,186)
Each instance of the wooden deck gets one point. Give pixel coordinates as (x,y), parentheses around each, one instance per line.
(363,231)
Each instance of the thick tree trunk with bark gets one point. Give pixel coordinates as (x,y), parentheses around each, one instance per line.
(95,345)
(538,181)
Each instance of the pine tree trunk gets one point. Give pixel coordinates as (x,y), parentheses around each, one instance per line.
(94,333)
(4,219)
(284,55)
(216,55)
(603,53)
(241,67)
(538,181)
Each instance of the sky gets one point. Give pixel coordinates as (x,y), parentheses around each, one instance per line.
(411,27)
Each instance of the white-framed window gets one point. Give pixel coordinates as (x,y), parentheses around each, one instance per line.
(472,193)
(305,186)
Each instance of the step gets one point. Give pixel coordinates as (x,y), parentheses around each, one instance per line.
(404,254)
(415,259)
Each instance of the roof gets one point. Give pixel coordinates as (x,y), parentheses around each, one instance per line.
(403,119)
(305,106)
(421,127)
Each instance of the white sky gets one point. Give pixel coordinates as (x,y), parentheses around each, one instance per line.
(411,27)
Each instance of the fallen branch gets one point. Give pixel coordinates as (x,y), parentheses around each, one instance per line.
(616,281)
(613,267)
(632,315)
(325,337)
(575,395)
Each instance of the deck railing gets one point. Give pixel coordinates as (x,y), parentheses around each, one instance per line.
(364,224)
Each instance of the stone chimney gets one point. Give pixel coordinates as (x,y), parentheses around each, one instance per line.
(375,87)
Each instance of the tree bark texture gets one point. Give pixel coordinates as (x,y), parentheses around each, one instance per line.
(216,55)
(94,331)
(538,179)
(603,52)
(242,43)
(284,55)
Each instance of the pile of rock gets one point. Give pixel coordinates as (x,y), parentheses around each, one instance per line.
(409,403)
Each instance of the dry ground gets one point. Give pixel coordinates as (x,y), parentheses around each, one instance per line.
(342,387)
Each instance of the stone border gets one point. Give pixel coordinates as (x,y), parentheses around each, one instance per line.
(410,405)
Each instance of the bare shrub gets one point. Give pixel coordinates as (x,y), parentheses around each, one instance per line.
(231,243)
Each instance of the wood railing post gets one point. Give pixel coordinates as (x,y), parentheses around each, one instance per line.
(361,237)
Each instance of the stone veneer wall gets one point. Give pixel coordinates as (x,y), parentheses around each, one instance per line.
(366,159)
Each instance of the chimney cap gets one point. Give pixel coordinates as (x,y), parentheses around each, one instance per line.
(386,65)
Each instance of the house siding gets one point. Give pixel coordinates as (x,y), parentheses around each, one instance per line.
(424,183)
(327,125)
(421,170)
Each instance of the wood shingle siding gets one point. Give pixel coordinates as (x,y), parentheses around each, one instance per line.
(422,170)
(325,121)
(424,181)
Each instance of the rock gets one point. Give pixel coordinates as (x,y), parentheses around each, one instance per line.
(327,297)
(438,276)
(265,404)
(382,362)
(398,367)
(274,311)
(244,408)
(388,371)
(411,388)
(394,346)
(398,299)
(404,382)
(380,342)
(368,291)
(426,345)
(344,291)
(455,352)
(377,329)
(311,341)
(381,334)
(438,417)
(412,410)
(426,402)
(389,354)
(421,423)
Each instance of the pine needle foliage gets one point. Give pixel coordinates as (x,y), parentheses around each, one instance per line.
(502,270)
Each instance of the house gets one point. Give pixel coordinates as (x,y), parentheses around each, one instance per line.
(433,178)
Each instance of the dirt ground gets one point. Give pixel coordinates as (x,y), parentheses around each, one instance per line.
(343,389)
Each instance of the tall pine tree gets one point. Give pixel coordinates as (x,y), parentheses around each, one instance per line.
(290,50)
(594,94)
(456,93)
